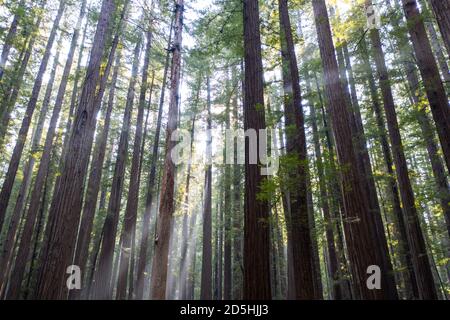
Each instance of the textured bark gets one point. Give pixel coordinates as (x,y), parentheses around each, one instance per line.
(133,193)
(67,201)
(166,209)
(429,71)
(206,273)
(93,184)
(142,262)
(365,168)
(44,163)
(256,226)
(27,173)
(302,248)
(31,106)
(358,228)
(103,285)
(75,87)
(441,9)
(420,261)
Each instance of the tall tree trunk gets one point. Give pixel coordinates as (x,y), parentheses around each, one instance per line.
(133,193)
(67,201)
(227,253)
(336,202)
(185,233)
(103,285)
(421,264)
(31,106)
(142,262)
(44,165)
(75,87)
(333,268)
(358,226)
(299,224)
(206,273)
(429,71)
(365,168)
(166,209)
(405,254)
(93,184)
(236,209)
(256,230)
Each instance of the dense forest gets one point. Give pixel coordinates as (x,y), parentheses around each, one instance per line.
(225,149)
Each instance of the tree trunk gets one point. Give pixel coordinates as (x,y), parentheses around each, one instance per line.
(185,233)
(405,255)
(133,193)
(236,209)
(103,285)
(299,224)
(43,165)
(206,273)
(358,227)
(67,201)
(336,202)
(333,268)
(93,184)
(142,262)
(166,209)
(256,230)
(365,168)
(421,264)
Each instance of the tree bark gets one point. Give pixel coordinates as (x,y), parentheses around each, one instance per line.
(103,285)
(420,261)
(333,267)
(302,248)
(66,205)
(256,225)
(93,184)
(358,228)
(142,262)
(166,209)
(133,193)
(206,273)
